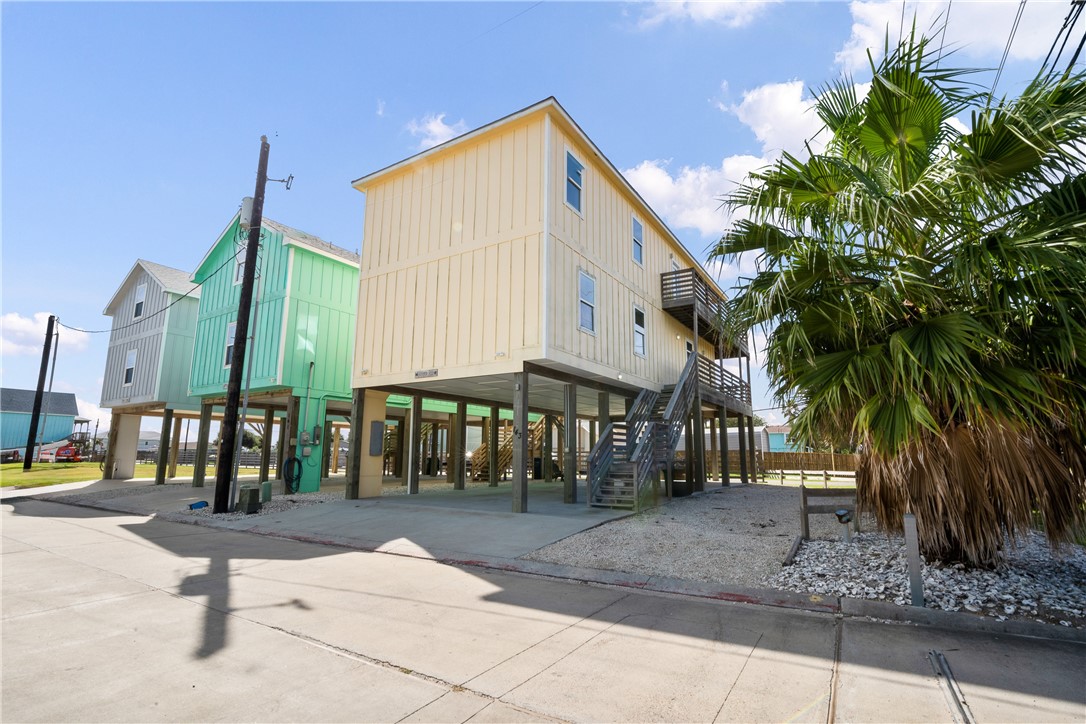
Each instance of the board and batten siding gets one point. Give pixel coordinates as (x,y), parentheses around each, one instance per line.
(599,241)
(144,335)
(173,381)
(320,323)
(452,257)
(219,307)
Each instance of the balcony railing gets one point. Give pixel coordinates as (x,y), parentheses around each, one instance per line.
(719,380)
(688,297)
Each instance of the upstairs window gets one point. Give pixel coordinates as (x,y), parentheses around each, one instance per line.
(239,265)
(587,305)
(141,297)
(639,331)
(689,348)
(231,329)
(129,367)
(638,242)
(574,181)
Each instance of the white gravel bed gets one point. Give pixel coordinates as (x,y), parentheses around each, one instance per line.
(737,535)
(740,536)
(429,486)
(1032,583)
(277,504)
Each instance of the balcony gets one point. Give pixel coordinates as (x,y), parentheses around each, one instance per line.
(690,299)
(721,387)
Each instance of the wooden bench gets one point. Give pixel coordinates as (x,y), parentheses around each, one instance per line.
(848,494)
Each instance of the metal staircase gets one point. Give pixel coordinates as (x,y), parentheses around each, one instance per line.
(628,455)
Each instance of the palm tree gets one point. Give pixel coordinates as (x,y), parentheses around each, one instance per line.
(924,294)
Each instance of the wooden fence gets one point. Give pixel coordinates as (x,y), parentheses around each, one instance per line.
(808,461)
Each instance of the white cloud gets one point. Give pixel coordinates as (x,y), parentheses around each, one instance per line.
(21,335)
(434,130)
(729,13)
(781,118)
(978,29)
(380,107)
(691,199)
(94,413)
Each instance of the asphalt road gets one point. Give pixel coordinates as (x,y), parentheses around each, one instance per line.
(119,617)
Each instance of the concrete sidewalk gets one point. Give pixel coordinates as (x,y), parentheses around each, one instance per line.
(113,616)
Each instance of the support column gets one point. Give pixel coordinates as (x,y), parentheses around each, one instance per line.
(569,471)
(203,434)
(414,446)
(326,448)
(714,458)
(742,452)
(546,452)
(354,445)
(111,446)
(604,411)
(688,447)
(725,463)
(520,442)
(164,447)
(281,445)
(433,468)
(753,451)
(591,434)
(401,447)
(492,446)
(175,449)
(366,471)
(457,444)
(265,445)
(699,446)
(335,450)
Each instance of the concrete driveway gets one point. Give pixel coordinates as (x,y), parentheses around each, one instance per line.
(111,616)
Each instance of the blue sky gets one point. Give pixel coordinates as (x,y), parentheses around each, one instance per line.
(132,129)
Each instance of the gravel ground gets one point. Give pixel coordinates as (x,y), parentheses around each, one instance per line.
(1031,584)
(737,535)
(741,535)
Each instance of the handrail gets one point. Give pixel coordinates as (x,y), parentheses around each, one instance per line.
(715,377)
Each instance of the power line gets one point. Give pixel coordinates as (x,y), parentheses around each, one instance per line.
(1007,50)
(151,316)
(1065,32)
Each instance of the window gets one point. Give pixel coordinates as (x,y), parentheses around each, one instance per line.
(129,366)
(141,297)
(689,348)
(231,329)
(638,242)
(574,181)
(239,265)
(587,295)
(639,331)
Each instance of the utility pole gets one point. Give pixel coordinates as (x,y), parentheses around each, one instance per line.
(33,434)
(241,334)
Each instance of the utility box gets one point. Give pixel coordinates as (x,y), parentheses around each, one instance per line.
(265,491)
(248,499)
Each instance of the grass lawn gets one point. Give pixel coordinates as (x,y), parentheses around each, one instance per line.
(12,475)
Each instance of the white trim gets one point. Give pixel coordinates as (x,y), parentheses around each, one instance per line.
(546,231)
(294,243)
(239,265)
(230,340)
(286,315)
(136,301)
(215,245)
(124,369)
(565,180)
(644,331)
(547,105)
(595,304)
(633,238)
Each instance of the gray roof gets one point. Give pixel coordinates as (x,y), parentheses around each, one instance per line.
(172,280)
(311,241)
(56,403)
